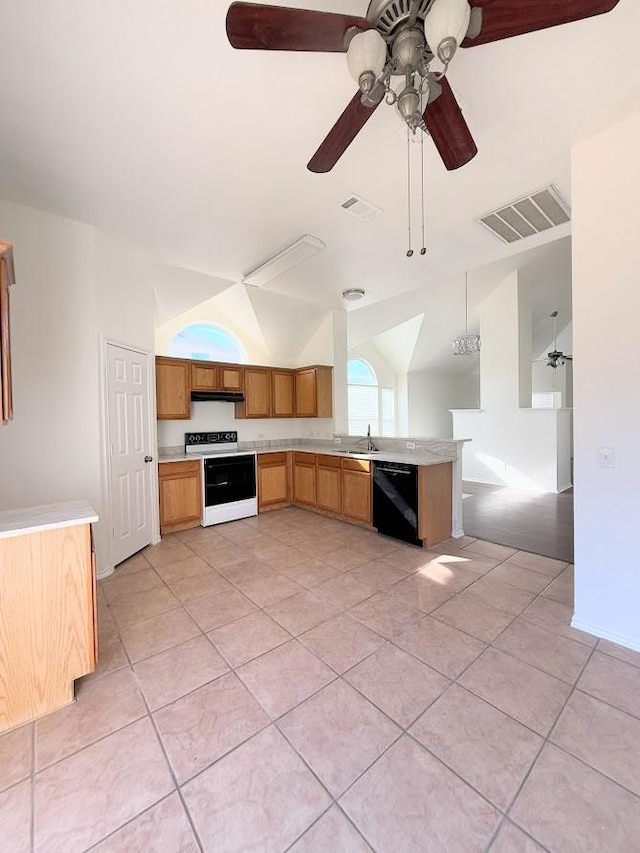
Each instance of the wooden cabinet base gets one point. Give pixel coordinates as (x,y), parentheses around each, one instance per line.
(434,502)
(47,630)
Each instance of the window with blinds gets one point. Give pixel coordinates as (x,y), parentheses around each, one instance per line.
(369,405)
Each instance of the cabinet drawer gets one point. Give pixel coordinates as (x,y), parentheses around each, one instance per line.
(178,469)
(328,461)
(356,465)
(305,458)
(272,459)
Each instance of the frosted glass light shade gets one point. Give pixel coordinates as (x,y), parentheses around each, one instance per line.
(367,52)
(446,19)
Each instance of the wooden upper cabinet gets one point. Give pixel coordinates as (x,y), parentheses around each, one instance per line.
(314,392)
(257,394)
(204,377)
(173,388)
(6,278)
(231,377)
(282,394)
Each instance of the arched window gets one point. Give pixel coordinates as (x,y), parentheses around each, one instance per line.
(209,342)
(369,405)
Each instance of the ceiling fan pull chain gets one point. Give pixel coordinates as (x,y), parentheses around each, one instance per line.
(409,250)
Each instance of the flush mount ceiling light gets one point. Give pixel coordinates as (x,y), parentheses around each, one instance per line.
(351,294)
(296,253)
(397,42)
(466,344)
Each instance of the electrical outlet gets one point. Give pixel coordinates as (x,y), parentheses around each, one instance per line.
(411,445)
(606,457)
(337,440)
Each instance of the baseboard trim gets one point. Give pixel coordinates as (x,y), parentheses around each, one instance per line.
(632,643)
(105,572)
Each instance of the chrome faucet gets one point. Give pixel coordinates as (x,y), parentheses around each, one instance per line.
(370,445)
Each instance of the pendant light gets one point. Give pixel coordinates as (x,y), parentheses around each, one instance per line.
(466,344)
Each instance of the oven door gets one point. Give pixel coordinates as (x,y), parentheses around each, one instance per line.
(228,479)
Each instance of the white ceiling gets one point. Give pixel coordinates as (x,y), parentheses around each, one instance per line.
(141,119)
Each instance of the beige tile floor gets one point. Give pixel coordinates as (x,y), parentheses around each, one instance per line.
(290,682)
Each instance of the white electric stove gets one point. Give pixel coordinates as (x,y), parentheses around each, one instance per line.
(228,476)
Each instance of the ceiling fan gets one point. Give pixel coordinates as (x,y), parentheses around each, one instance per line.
(556,357)
(400,39)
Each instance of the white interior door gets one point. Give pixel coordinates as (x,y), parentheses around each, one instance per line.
(128,418)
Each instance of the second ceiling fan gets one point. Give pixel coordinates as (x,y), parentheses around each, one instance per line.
(400,39)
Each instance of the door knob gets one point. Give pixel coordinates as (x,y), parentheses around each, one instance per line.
(148,458)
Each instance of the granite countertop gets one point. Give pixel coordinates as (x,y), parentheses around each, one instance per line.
(16,522)
(416,457)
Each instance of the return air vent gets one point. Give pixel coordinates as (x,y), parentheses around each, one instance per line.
(531,215)
(361,209)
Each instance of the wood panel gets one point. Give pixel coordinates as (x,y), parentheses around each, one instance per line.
(6,385)
(324,392)
(329,485)
(173,388)
(180,487)
(204,377)
(356,494)
(434,502)
(304,479)
(306,402)
(356,465)
(46,613)
(257,394)
(273,479)
(231,377)
(282,394)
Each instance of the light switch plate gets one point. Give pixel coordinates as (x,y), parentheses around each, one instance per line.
(606,457)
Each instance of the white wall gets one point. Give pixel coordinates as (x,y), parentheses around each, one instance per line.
(219,417)
(606,306)
(73,284)
(431,396)
(511,444)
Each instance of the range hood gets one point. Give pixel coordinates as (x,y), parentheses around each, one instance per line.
(217,396)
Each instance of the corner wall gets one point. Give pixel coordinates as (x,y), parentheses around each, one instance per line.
(606,306)
(430,400)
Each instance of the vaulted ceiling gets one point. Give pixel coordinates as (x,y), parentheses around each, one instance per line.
(141,119)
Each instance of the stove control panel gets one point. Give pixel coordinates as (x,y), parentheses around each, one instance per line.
(192,439)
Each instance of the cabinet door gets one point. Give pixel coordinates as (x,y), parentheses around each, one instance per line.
(180,495)
(282,388)
(204,377)
(329,486)
(231,377)
(273,479)
(306,406)
(257,392)
(304,484)
(173,388)
(356,495)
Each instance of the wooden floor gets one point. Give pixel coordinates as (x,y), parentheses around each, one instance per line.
(529,521)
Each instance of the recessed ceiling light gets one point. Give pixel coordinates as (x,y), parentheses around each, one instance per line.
(353,293)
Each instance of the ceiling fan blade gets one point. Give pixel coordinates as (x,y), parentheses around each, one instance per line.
(448,129)
(341,135)
(501,19)
(253,26)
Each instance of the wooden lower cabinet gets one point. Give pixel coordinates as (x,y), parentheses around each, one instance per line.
(434,502)
(329,484)
(356,490)
(273,479)
(180,485)
(47,620)
(304,479)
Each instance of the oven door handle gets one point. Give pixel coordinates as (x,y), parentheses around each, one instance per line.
(226,483)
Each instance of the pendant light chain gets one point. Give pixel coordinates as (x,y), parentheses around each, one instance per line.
(410,249)
(423,250)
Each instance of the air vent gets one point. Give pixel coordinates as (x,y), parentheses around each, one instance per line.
(361,209)
(531,215)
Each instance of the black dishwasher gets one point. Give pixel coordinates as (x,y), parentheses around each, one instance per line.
(395,500)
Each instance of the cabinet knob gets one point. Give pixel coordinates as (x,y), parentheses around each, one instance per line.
(148,458)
